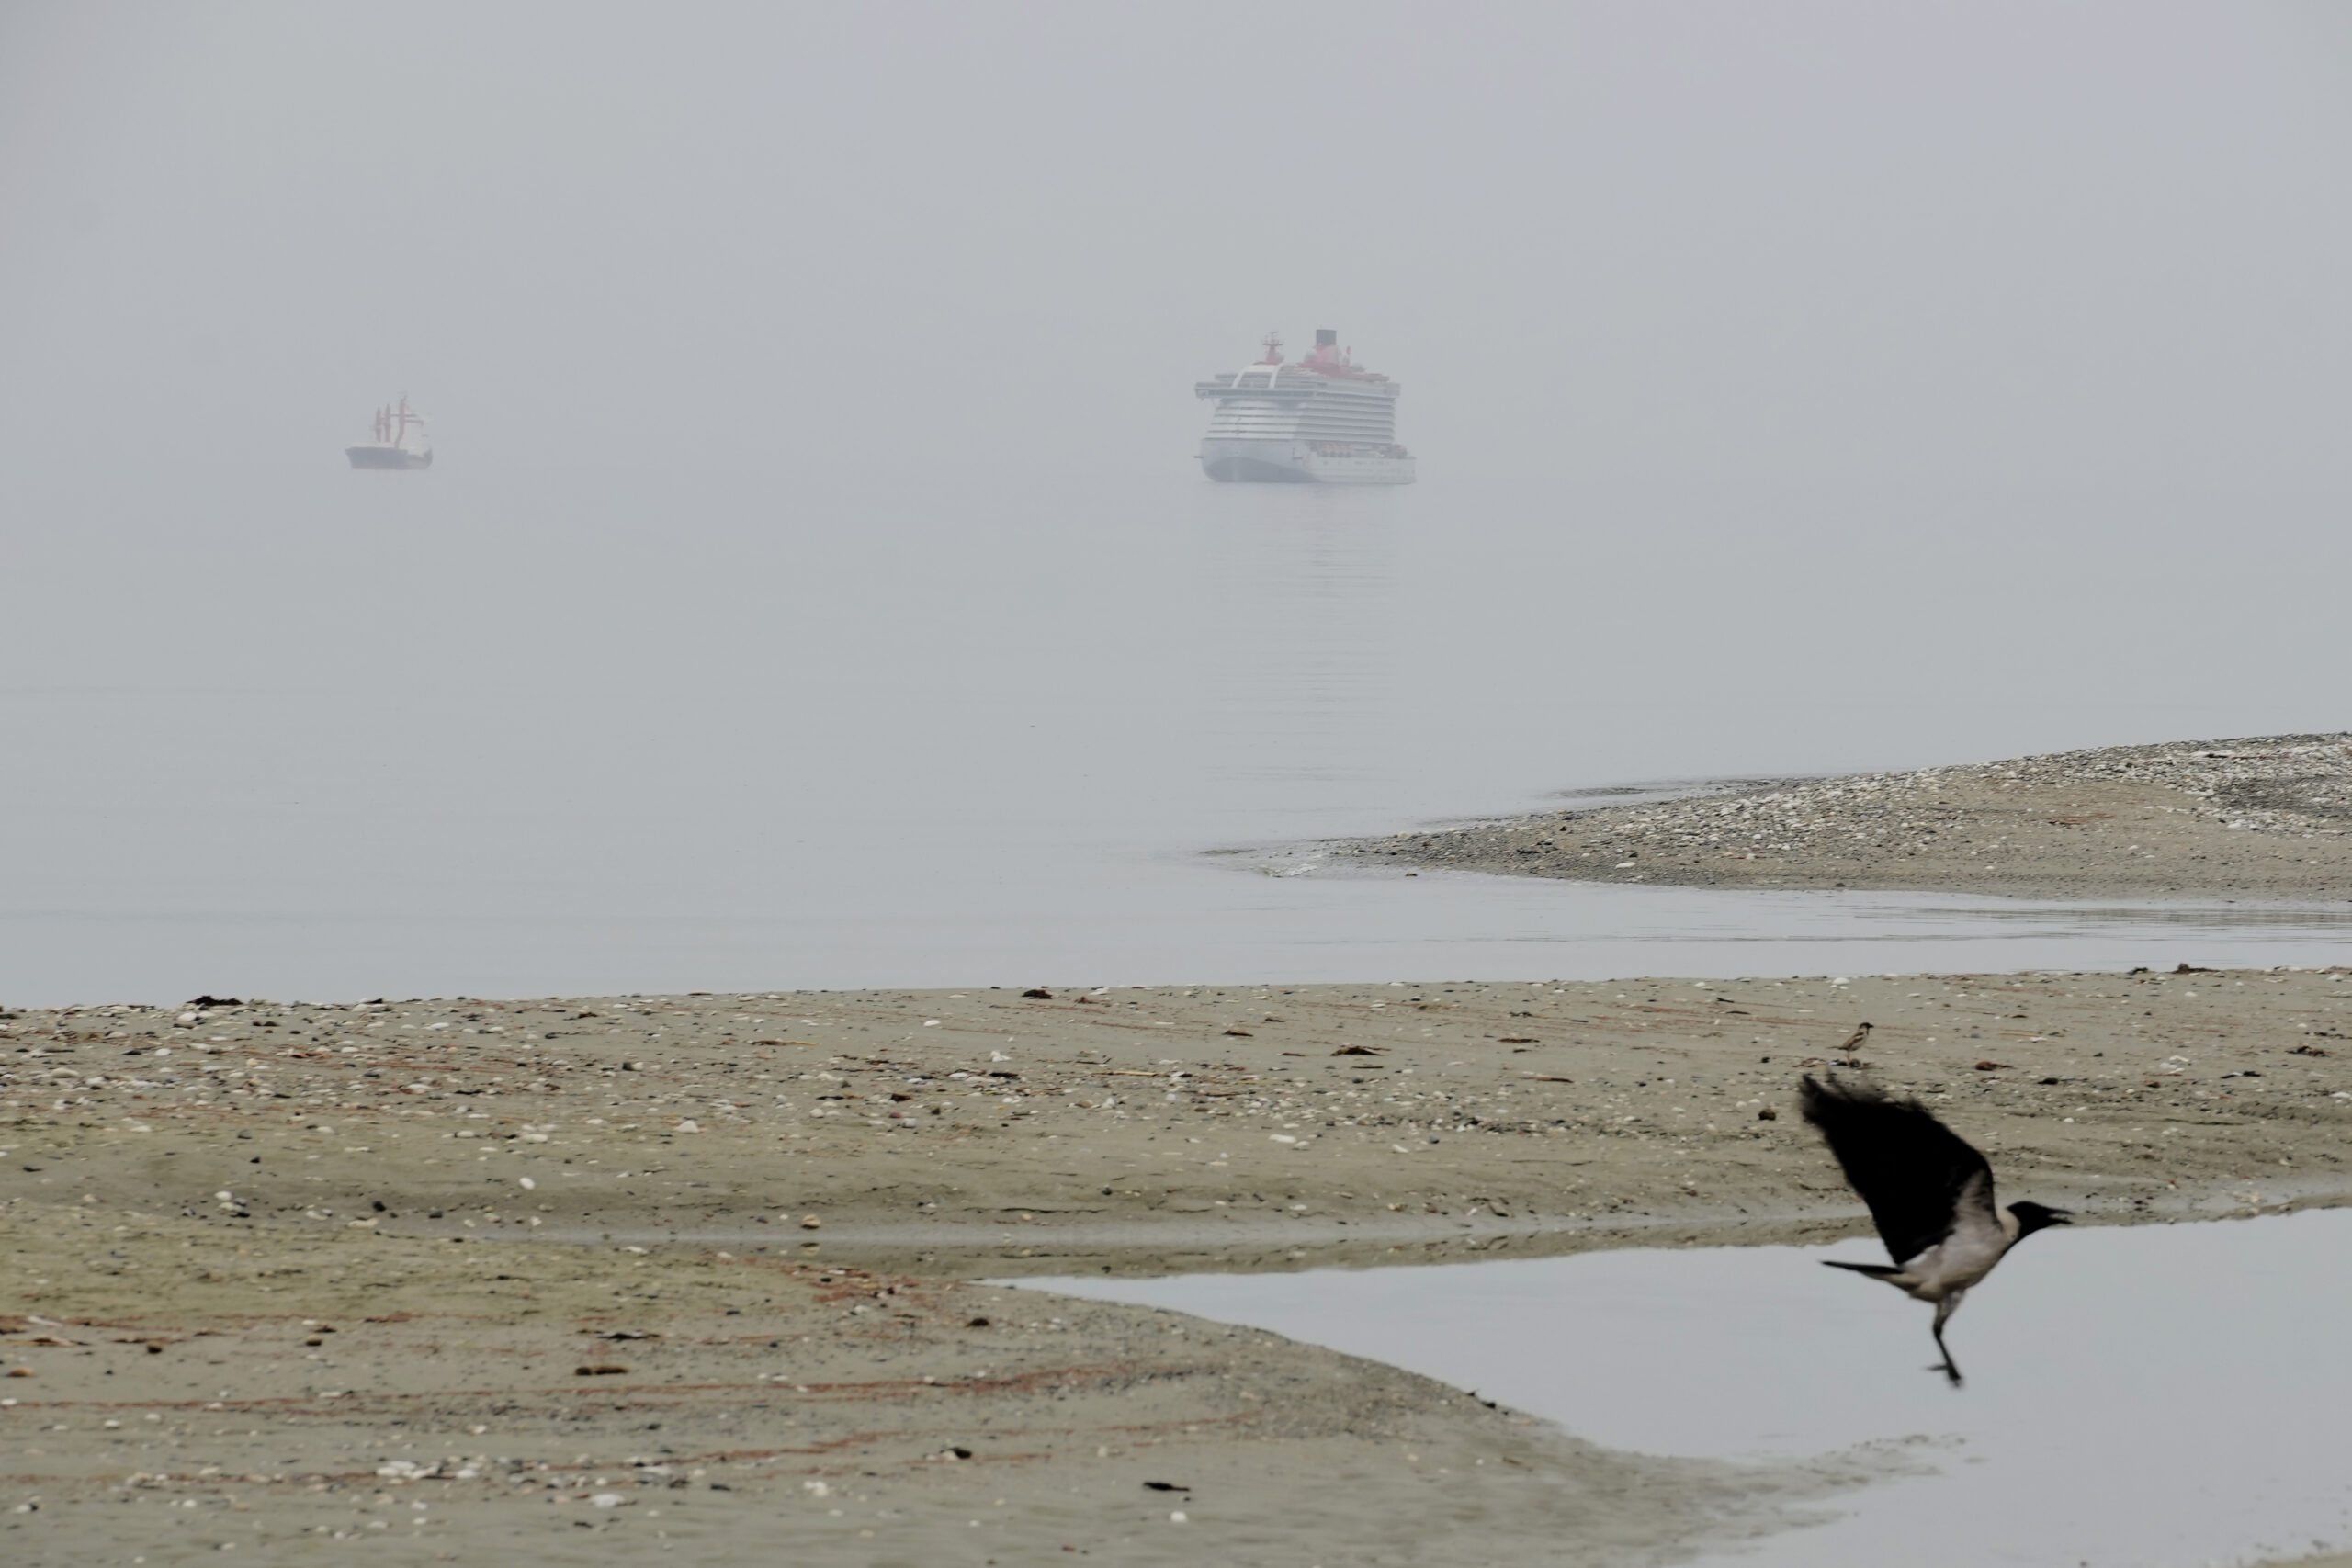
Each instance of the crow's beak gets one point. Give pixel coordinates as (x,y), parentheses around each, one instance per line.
(2059,1216)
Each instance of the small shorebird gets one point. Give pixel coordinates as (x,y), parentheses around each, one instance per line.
(1929,1193)
(1852,1050)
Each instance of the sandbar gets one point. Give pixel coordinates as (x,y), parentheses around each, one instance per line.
(562,1278)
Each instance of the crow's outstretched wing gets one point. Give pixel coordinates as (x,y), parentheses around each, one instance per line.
(1911,1170)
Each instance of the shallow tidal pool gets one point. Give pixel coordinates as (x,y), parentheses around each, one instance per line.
(2155,1396)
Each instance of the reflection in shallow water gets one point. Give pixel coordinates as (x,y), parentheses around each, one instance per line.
(2156,1396)
(1145,919)
(2235,921)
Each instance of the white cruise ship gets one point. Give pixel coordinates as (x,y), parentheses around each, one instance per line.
(1323,421)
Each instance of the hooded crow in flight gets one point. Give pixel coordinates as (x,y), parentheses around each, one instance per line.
(1929,1193)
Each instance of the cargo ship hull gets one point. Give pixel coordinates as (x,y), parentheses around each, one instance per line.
(387,458)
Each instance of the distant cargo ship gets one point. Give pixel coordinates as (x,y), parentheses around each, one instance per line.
(1325,420)
(400,442)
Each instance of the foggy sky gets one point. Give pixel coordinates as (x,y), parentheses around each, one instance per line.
(2087,247)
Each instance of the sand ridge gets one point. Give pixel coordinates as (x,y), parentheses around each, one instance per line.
(986,1130)
(2264,818)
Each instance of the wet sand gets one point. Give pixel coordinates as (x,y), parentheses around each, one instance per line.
(440,1401)
(2266,819)
(795,1194)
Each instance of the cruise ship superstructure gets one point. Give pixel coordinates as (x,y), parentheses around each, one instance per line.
(1325,420)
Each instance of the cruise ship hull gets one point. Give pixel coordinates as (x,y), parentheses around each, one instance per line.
(1325,421)
(1230,461)
(387,458)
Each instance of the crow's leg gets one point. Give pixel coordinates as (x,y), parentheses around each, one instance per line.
(1944,1309)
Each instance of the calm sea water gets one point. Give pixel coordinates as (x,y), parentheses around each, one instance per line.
(312,733)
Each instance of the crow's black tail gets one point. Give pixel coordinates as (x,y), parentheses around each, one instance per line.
(1875,1270)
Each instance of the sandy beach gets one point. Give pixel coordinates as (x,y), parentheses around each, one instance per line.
(319,1265)
(2262,818)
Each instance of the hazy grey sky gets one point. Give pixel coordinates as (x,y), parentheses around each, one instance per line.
(2098,245)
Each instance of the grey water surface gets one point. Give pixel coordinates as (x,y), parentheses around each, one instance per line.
(2158,1396)
(306,732)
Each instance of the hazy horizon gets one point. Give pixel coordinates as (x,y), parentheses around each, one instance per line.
(815,581)
(2096,248)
